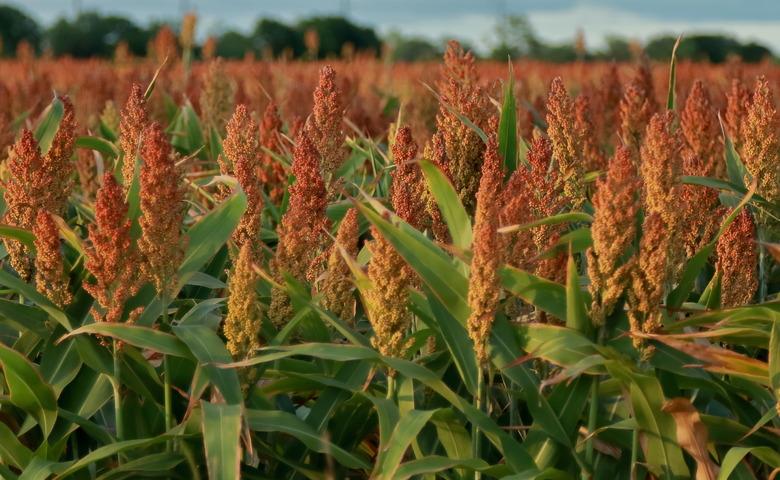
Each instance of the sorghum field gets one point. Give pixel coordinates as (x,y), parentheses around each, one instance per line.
(288,270)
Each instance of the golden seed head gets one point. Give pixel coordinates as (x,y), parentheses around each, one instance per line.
(243,321)
(337,286)
(51,279)
(660,167)
(592,155)
(459,88)
(614,230)
(484,290)
(566,142)
(187,33)
(649,277)
(737,102)
(134,120)
(761,148)
(407,185)
(388,297)
(637,106)
(216,97)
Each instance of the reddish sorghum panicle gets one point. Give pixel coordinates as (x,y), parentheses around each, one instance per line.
(240,158)
(243,321)
(592,155)
(112,257)
(738,261)
(761,148)
(272,173)
(217,97)
(162,211)
(649,279)
(660,167)
(23,194)
(51,279)
(484,290)
(325,126)
(737,101)
(460,89)
(533,192)
(566,142)
(37,182)
(702,156)
(637,107)
(134,119)
(406,192)
(337,287)
(57,166)
(614,230)
(435,152)
(302,227)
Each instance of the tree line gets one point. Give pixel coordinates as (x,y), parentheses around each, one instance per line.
(91,34)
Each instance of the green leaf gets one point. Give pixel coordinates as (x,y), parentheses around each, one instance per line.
(551,220)
(29,292)
(222,439)
(136,335)
(206,346)
(455,216)
(27,389)
(544,294)
(98,144)
(458,343)
(26,237)
(452,434)
(427,259)
(576,312)
(49,124)
(507,126)
(407,429)
(210,233)
(434,464)
(662,454)
(774,359)
(735,455)
(156,464)
(735,169)
(283,422)
(12,452)
(694,265)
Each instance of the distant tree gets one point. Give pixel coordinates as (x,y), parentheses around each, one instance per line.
(16,26)
(233,44)
(278,37)
(412,49)
(617,49)
(91,34)
(705,48)
(753,52)
(335,32)
(515,38)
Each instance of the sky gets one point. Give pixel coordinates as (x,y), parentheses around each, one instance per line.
(469,20)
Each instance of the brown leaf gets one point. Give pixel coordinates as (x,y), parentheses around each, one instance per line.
(692,435)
